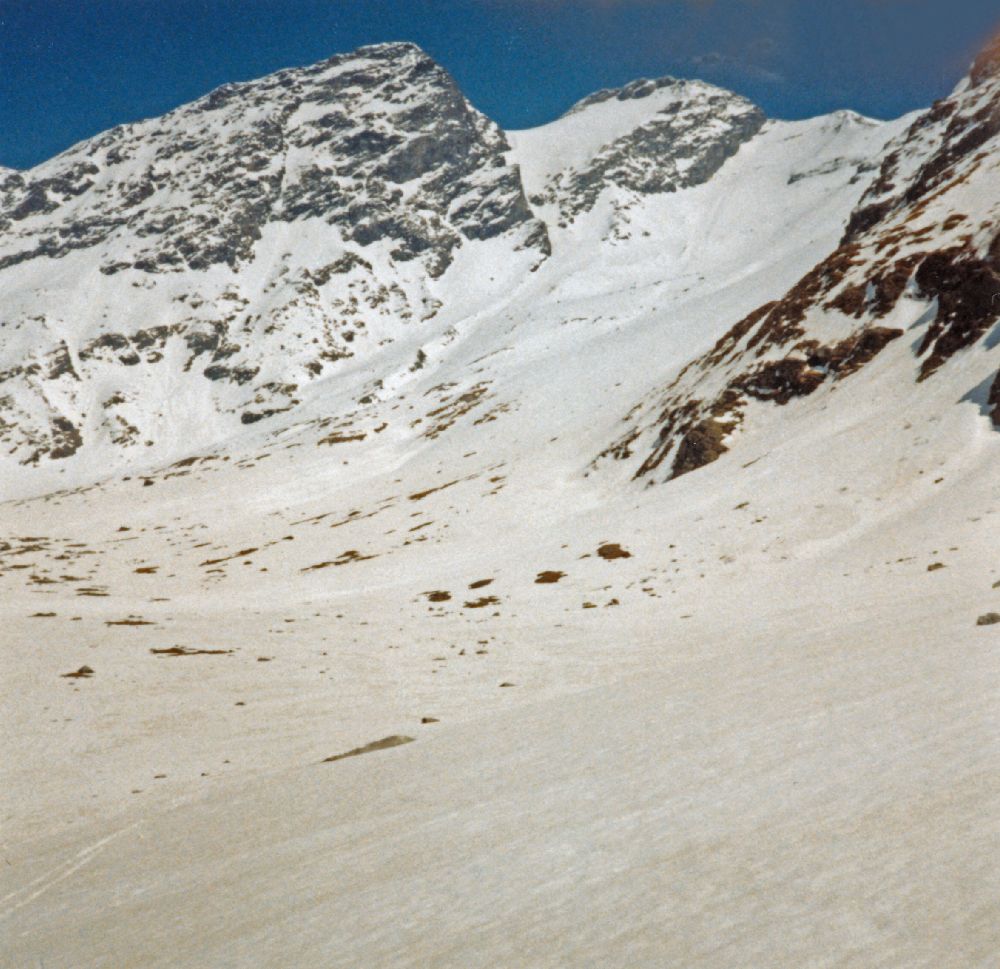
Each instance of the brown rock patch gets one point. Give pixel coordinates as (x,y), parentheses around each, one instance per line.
(397,740)
(482,603)
(83,673)
(610,551)
(186,651)
(549,578)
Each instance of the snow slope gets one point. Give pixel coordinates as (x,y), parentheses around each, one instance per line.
(745,716)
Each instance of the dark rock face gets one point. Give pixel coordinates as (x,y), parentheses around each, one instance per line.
(67,438)
(939,148)
(994,400)
(337,141)
(939,154)
(684,144)
(777,382)
(967,289)
(781,380)
(701,445)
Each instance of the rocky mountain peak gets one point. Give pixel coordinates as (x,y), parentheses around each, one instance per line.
(921,253)
(346,141)
(646,138)
(241,246)
(278,232)
(633,91)
(943,146)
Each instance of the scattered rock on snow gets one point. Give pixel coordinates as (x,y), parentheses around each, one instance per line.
(85,672)
(549,578)
(396,740)
(611,550)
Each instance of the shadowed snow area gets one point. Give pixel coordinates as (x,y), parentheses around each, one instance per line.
(425,545)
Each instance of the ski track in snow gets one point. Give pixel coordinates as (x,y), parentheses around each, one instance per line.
(39,886)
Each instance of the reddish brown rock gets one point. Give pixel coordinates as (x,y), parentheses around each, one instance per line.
(987,64)
(610,551)
(700,446)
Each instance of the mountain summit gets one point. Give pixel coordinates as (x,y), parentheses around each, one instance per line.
(379,144)
(648,138)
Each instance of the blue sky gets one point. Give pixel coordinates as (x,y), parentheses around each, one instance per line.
(72,68)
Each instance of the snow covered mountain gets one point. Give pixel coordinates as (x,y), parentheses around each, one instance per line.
(428,545)
(216,253)
(170,281)
(648,138)
(921,253)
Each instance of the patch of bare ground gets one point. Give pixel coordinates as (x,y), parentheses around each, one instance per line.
(439,595)
(345,558)
(397,740)
(612,550)
(493,414)
(187,651)
(482,603)
(355,516)
(452,409)
(130,621)
(420,495)
(243,553)
(549,577)
(83,673)
(338,437)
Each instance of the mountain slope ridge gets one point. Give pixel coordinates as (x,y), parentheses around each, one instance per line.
(912,258)
(200,236)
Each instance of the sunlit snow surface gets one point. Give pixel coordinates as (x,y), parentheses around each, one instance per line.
(767,737)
